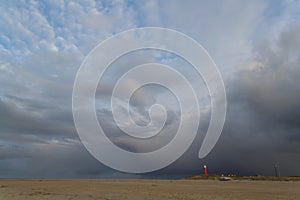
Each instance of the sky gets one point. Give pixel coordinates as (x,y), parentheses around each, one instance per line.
(255,44)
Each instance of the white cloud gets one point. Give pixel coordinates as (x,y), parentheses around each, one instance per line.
(59,26)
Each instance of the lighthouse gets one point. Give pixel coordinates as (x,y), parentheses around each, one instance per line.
(204,170)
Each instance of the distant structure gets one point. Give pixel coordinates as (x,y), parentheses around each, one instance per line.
(204,170)
(277,171)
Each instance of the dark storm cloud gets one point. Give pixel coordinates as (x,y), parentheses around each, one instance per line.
(262,127)
(263,118)
(42,142)
(21,115)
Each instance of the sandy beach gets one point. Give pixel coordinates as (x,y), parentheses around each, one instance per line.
(147,189)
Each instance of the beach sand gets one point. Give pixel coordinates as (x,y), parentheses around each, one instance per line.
(147,189)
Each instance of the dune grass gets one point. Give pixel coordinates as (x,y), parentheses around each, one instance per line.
(250,178)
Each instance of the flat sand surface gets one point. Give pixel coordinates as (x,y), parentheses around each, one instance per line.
(147,189)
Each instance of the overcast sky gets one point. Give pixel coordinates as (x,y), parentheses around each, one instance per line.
(255,44)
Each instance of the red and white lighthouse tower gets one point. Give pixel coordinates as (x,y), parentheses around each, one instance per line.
(204,170)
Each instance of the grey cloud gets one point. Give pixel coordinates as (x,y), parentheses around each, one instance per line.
(262,125)
(37,132)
